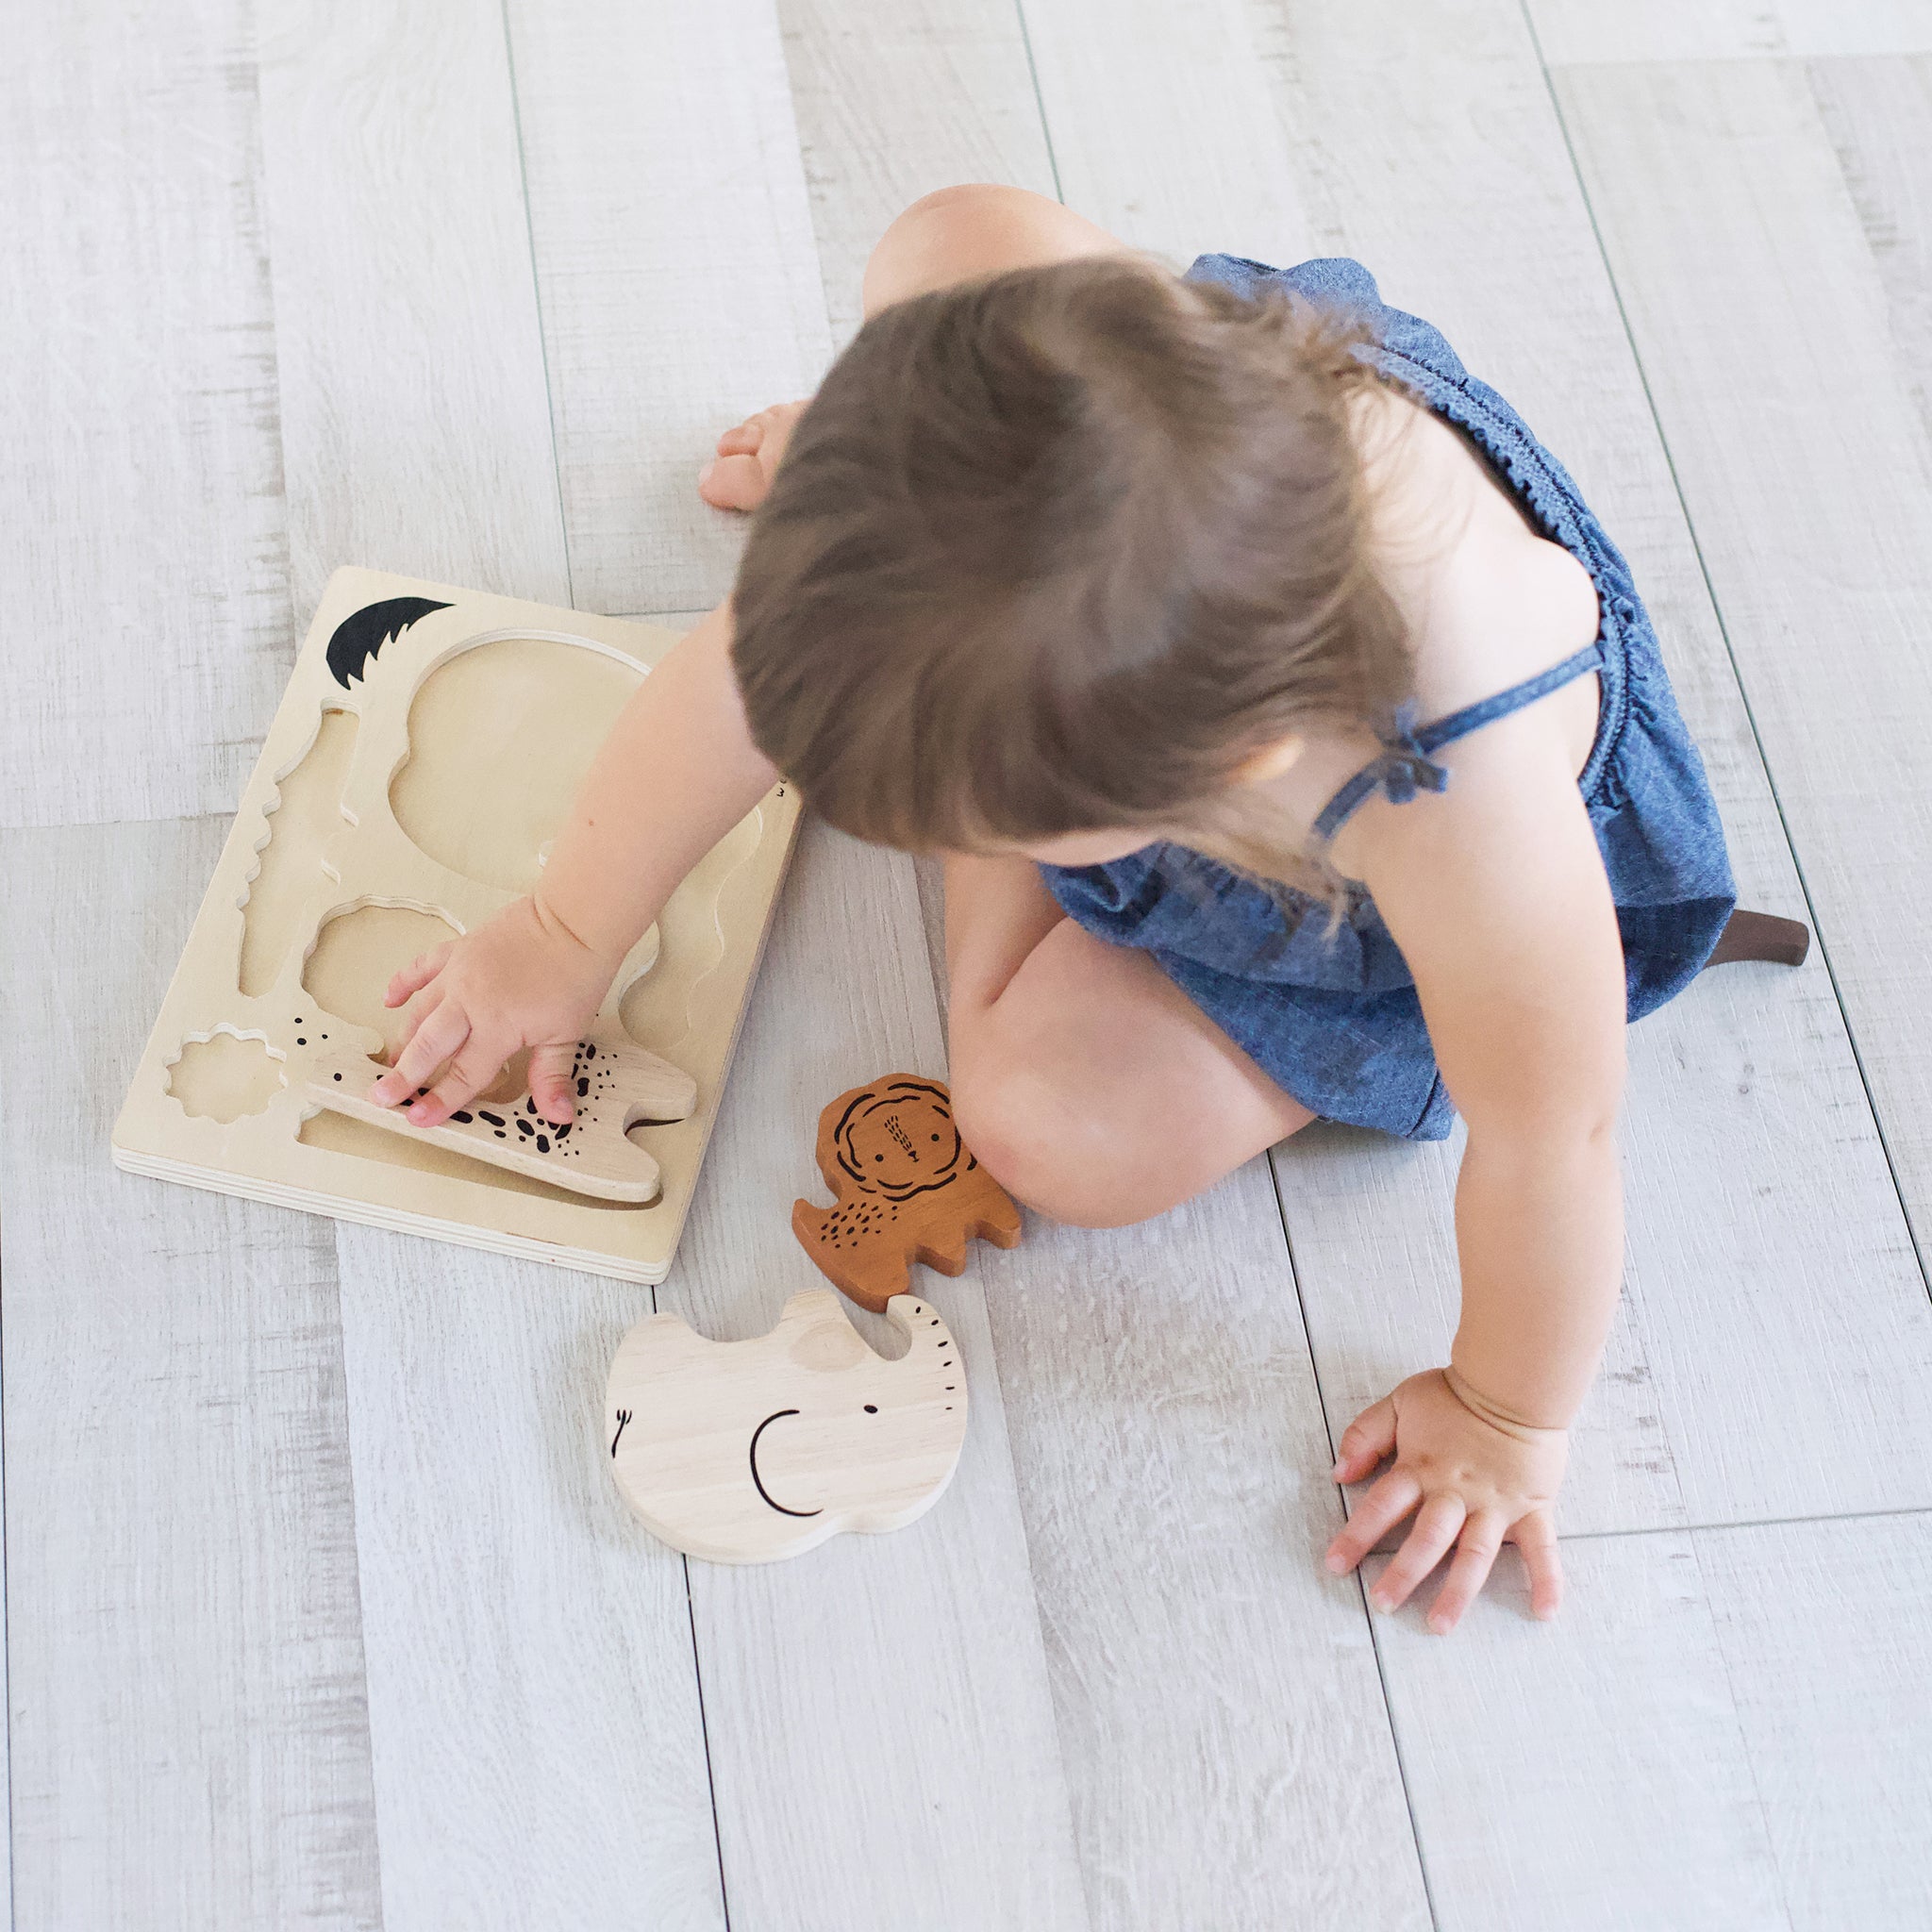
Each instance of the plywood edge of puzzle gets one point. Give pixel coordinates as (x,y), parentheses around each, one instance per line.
(905,1189)
(746,1452)
(697,964)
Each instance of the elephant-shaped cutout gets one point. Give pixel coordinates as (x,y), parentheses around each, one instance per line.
(744,1452)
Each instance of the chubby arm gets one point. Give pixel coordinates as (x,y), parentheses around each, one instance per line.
(1495,891)
(677,771)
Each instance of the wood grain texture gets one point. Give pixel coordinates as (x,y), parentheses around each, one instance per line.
(1877,115)
(911,1665)
(407,343)
(140,509)
(894,100)
(1573,31)
(535,1710)
(753,1451)
(1823,1627)
(1162,126)
(535,1721)
(679,289)
(189,1740)
(1227,1754)
(1744,1299)
(1591,1773)
(1814,515)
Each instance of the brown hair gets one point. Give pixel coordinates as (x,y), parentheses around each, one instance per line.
(1058,551)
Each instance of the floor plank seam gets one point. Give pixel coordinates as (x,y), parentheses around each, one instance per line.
(1039,101)
(1743,1750)
(1907,1515)
(704,1728)
(1730,651)
(1421,1862)
(516,119)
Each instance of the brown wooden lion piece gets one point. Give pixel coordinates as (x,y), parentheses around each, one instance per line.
(907,1189)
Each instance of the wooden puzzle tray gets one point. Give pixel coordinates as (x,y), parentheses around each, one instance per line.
(424,755)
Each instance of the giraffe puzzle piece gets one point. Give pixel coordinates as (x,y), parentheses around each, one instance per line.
(616,1083)
(906,1191)
(744,1452)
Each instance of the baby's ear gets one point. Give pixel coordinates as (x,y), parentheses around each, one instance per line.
(1271,761)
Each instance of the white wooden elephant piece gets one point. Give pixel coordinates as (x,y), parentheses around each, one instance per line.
(744,1452)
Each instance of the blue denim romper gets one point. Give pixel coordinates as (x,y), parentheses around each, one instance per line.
(1335,1021)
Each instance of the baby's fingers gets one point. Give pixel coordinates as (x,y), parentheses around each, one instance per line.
(1365,1442)
(1475,1552)
(417,974)
(471,1070)
(441,1033)
(550,1070)
(1441,1516)
(1385,1505)
(1536,1536)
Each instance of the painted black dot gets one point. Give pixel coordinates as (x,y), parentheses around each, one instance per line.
(935,1320)
(339,1077)
(298,1019)
(871,1408)
(500,1134)
(542,1143)
(525,1128)
(949,1387)
(583,1088)
(465,1118)
(878,1156)
(935,1137)
(495,1119)
(300,1042)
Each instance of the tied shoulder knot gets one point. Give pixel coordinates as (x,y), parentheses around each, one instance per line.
(1404,767)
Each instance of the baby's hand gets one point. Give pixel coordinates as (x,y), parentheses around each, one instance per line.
(1479,1483)
(519,980)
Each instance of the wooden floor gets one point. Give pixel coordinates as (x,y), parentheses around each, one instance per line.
(320,1610)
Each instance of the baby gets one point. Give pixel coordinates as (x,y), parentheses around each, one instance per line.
(1125,593)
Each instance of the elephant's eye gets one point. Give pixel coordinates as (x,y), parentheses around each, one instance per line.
(871,1408)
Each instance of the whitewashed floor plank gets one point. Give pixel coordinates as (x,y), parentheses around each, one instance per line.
(679,288)
(1823,1630)
(1877,115)
(894,98)
(410,362)
(539,1741)
(1162,127)
(1771,1271)
(537,1736)
(882,1729)
(1575,31)
(1228,1751)
(190,1740)
(1809,477)
(141,511)
(1591,1775)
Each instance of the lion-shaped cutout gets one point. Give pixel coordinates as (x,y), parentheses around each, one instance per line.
(907,1189)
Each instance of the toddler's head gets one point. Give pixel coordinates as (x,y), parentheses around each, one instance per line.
(1067,551)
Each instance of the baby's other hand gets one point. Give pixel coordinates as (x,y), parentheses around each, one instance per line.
(519,980)
(740,477)
(1478,1483)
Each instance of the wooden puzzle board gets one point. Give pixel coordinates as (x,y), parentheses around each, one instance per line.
(401,799)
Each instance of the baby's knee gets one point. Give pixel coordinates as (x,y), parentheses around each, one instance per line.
(975,228)
(1041,1147)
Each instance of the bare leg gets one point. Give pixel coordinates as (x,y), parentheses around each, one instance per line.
(1083,1078)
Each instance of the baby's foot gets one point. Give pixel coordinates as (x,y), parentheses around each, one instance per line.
(740,477)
